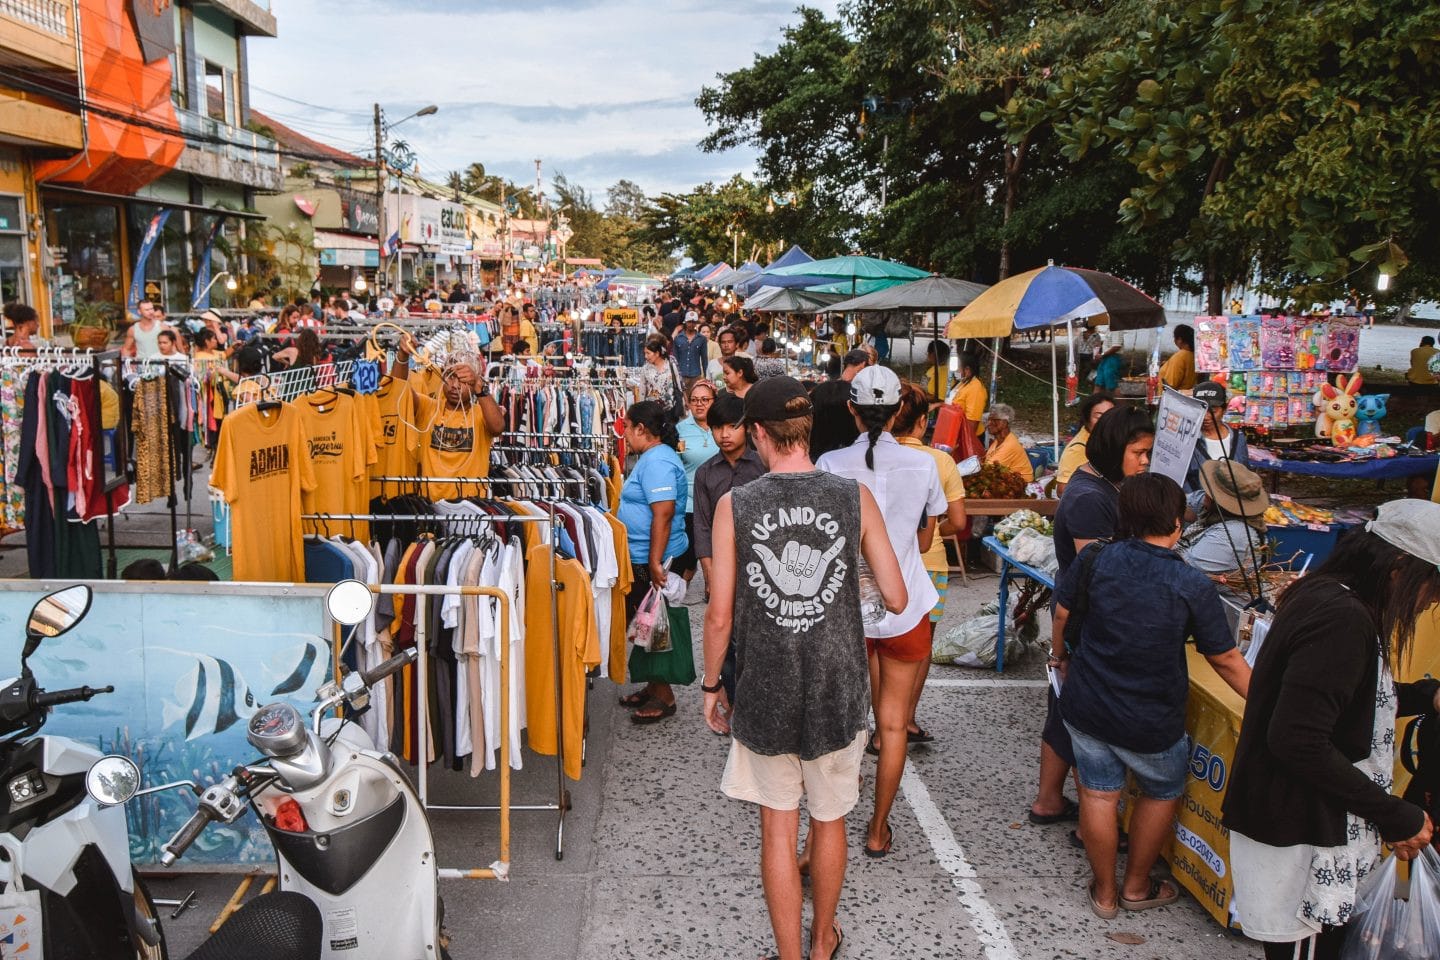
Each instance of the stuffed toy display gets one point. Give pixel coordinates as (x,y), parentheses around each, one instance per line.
(1371,409)
(1337,404)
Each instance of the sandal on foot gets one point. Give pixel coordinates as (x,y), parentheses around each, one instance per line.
(1155,896)
(654,703)
(875,853)
(1104,913)
(1071,811)
(839,940)
(919,735)
(637,699)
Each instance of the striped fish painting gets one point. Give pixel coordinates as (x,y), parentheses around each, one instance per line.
(210,697)
(301,669)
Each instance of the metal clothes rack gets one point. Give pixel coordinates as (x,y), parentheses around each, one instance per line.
(562,798)
(288,385)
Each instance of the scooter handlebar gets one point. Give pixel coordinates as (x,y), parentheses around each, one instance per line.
(393,665)
(188,834)
(73,695)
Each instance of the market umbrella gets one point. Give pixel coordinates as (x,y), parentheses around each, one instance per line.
(853,267)
(849,288)
(785,300)
(1049,296)
(766,279)
(927,294)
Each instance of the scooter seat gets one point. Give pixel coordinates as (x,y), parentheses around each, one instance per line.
(276,926)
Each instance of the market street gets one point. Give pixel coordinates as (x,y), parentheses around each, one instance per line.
(659,864)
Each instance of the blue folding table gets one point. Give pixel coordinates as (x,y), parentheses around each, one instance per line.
(1007,565)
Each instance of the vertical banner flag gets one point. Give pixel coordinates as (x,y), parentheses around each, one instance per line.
(200,298)
(137,281)
(1177,428)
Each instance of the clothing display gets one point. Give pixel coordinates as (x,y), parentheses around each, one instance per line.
(341,449)
(263,467)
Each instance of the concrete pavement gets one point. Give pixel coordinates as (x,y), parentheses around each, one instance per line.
(659,864)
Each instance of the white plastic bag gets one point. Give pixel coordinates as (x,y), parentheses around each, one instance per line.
(1035,549)
(972,643)
(1385,927)
(650,628)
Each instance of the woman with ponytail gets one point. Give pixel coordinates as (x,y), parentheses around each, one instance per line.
(906,486)
(652,507)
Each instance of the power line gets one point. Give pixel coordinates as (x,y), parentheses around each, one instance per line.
(281,96)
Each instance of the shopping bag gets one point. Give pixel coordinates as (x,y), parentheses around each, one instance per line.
(650,628)
(1388,928)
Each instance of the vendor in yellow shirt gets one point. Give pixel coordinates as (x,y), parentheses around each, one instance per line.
(970,394)
(1179,370)
(1419,371)
(1073,457)
(450,433)
(1004,446)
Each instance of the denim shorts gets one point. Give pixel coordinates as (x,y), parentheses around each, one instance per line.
(1102,766)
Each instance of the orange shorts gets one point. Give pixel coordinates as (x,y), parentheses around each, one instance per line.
(910,647)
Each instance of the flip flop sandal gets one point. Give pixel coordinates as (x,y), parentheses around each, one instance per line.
(1153,899)
(1104,913)
(874,853)
(637,699)
(666,710)
(919,735)
(1071,811)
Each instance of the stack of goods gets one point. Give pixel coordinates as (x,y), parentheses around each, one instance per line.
(1284,512)
(1007,529)
(995,482)
(1274,364)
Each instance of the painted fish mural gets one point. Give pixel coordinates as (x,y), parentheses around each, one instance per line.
(210,697)
(301,669)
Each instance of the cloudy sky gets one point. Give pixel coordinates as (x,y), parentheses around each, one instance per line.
(597,89)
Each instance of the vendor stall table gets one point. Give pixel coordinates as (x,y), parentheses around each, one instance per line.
(1373,469)
(975,507)
(1008,562)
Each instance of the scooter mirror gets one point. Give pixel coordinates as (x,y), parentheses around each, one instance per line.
(349,602)
(58,612)
(112,780)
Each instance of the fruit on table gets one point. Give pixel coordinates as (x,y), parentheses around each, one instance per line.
(1009,528)
(995,482)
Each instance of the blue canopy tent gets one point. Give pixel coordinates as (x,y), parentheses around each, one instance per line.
(715,271)
(765,279)
(731,277)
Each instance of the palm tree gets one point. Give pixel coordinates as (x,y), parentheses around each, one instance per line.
(456,183)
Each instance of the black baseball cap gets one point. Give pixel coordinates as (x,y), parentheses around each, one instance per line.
(726,411)
(857,358)
(769,400)
(1212,393)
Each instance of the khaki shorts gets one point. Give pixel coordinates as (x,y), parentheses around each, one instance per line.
(830,784)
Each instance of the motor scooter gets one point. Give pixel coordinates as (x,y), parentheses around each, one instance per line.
(350,833)
(64,850)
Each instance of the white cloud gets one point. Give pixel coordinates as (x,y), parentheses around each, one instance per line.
(584,85)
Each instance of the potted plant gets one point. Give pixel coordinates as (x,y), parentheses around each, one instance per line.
(94,323)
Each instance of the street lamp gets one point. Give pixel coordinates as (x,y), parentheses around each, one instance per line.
(230,285)
(380,176)
(1382,282)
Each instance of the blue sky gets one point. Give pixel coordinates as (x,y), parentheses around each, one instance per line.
(597,89)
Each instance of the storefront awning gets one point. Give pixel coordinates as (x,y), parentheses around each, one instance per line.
(324,239)
(151,201)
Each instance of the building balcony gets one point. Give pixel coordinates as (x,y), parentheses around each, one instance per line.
(252,17)
(228,154)
(38,34)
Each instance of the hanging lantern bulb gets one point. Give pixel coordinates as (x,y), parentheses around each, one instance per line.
(850,329)
(954,362)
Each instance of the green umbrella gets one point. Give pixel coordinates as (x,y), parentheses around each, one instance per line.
(857,287)
(852,268)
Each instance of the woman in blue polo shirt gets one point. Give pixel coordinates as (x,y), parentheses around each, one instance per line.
(652,507)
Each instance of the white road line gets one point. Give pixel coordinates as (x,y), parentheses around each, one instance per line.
(983,920)
(981,682)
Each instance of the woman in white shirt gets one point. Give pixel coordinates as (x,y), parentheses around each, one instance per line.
(907,487)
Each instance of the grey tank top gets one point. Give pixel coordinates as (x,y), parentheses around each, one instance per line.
(802,680)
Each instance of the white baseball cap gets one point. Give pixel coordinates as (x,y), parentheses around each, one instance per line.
(875,386)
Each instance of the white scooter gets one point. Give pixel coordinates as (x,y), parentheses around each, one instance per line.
(64,850)
(349,831)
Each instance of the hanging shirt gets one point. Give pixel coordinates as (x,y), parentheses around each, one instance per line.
(579,651)
(337,444)
(394,457)
(262,468)
(449,442)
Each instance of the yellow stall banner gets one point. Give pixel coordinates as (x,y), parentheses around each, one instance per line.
(627,316)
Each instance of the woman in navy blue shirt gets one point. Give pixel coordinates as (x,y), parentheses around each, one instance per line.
(1126,683)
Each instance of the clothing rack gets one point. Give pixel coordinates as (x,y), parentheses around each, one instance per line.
(562,798)
(290,384)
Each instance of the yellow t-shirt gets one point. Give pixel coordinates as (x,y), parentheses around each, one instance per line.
(1073,457)
(618,662)
(454,443)
(1179,370)
(954,487)
(337,440)
(263,470)
(1419,371)
(394,455)
(972,396)
(579,651)
(1009,453)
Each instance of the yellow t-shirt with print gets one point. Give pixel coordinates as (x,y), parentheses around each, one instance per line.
(450,442)
(386,411)
(262,468)
(337,440)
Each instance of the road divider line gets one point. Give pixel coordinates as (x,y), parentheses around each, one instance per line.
(983,920)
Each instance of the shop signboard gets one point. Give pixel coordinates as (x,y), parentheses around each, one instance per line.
(1177,429)
(339,257)
(628,316)
(454,233)
(187,678)
(360,212)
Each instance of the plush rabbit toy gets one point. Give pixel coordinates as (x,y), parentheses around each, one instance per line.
(1337,404)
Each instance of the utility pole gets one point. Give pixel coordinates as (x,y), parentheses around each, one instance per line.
(380,200)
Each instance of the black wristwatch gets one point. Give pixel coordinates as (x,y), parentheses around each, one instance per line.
(715,689)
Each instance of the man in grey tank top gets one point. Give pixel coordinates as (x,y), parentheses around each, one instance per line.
(786,549)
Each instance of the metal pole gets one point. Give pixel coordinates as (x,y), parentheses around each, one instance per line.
(379,196)
(884,176)
(1054,397)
